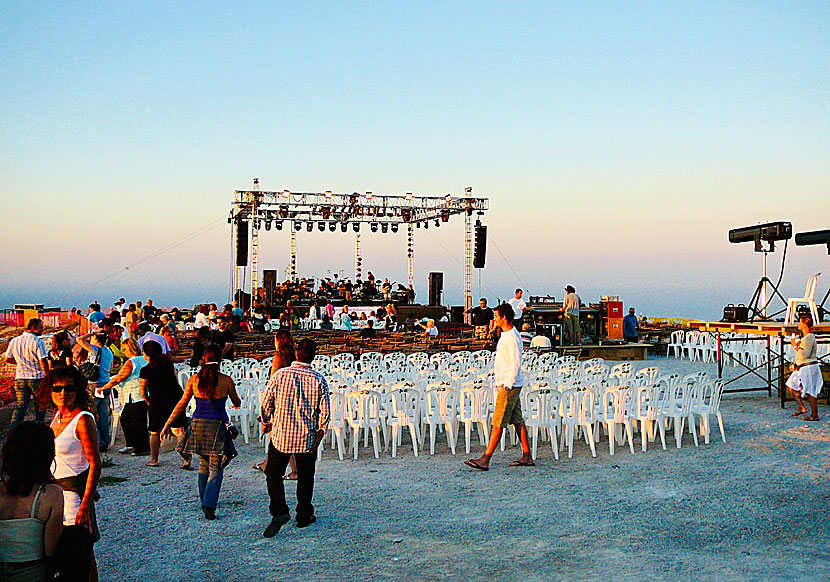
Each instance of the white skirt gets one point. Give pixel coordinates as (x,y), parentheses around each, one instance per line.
(808,380)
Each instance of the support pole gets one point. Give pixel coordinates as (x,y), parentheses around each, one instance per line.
(468,267)
(358,272)
(292,272)
(410,256)
(254,242)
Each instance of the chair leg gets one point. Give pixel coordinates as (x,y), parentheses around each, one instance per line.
(413,431)
(662,427)
(535,440)
(591,439)
(355,441)
(643,435)
(720,424)
(629,429)
(612,436)
(375,436)
(693,428)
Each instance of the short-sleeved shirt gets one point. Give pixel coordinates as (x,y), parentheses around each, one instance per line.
(96,316)
(571,304)
(482,316)
(104,366)
(630,325)
(807,354)
(221,338)
(27,350)
(150,336)
(518,306)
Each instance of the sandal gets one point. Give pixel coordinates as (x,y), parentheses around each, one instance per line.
(798,413)
(810,418)
(152,464)
(257,467)
(289,477)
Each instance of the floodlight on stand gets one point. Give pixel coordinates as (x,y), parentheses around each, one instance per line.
(374,227)
(769,232)
(332,226)
(815,237)
(356,226)
(384,227)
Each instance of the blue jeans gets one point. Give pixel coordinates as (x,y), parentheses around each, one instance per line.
(25,390)
(102,407)
(210,479)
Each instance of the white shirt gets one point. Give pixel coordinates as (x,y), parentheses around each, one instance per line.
(150,336)
(432,331)
(201,321)
(540,341)
(27,350)
(518,306)
(508,366)
(571,304)
(312,312)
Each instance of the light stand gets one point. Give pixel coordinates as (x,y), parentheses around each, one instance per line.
(757,306)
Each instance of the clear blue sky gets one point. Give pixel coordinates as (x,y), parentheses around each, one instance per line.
(617,143)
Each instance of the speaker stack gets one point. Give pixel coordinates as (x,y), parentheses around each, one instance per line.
(242,243)
(436,288)
(612,318)
(480,249)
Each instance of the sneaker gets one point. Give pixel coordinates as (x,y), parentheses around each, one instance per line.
(209,512)
(276,524)
(307,522)
(126,450)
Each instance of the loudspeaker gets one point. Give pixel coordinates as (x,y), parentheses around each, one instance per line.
(457,314)
(480,250)
(269,278)
(242,243)
(436,288)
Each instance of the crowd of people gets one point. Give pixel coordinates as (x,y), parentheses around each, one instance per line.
(338,288)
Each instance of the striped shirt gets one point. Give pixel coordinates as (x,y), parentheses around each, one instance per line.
(27,350)
(297,404)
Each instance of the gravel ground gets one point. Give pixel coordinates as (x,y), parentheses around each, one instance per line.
(753,508)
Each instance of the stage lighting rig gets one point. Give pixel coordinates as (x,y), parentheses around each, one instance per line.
(769,232)
(814,237)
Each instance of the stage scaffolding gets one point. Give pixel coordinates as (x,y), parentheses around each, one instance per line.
(257,209)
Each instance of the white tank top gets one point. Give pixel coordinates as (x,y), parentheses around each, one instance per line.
(70,459)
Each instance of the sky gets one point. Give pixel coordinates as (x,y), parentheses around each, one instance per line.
(617,143)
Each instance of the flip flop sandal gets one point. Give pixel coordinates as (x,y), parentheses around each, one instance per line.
(474,465)
(522,464)
(257,468)
(810,419)
(798,413)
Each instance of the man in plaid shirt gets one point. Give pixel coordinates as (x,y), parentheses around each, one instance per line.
(295,410)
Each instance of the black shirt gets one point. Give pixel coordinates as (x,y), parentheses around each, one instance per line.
(482,316)
(368,332)
(221,338)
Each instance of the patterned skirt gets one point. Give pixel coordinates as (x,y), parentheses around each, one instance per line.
(206,437)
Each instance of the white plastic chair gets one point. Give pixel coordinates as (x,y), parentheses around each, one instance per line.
(363,412)
(474,408)
(644,402)
(676,344)
(615,416)
(683,411)
(542,414)
(403,409)
(440,410)
(337,424)
(690,345)
(809,298)
(707,404)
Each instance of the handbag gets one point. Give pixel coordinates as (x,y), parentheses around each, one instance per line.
(230,428)
(92,370)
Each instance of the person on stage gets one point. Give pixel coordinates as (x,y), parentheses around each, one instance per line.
(570,311)
(630,327)
(806,377)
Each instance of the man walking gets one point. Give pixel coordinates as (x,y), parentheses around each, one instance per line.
(28,352)
(295,409)
(509,381)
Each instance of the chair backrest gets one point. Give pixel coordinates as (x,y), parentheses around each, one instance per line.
(569,405)
(474,402)
(691,337)
(812,283)
(338,408)
(613,402)
(711,394)
(440,402)
(586,407)
(650,373)
(363,407)
(403,404)
(621,370)
(677,337)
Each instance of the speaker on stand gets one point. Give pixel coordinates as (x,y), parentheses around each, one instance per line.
(242,243)
(436,288)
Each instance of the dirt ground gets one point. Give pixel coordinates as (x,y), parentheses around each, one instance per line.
(753,508)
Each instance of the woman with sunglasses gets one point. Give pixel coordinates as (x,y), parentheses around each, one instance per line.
(77,467)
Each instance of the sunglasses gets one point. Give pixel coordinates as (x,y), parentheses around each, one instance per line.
(61,388)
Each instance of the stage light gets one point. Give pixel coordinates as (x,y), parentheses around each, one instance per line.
(468,190)
(321,226)
(356,226)
(267,225)
(374,227)
(426,224)
(395,227)
(408,196)
(297,225)
(278,224)
(769,232)
(448,198)
(286,193)
(384,227)
(309,226)
(328,194)
(368,195)
(283,211)
(437,223)
(344,227)
(325,211)
(332,226)
(815,237)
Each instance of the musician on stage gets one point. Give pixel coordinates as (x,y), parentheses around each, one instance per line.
(806,377)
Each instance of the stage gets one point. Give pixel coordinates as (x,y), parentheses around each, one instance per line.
(611,352)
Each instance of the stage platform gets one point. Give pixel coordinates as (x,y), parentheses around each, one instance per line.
(612,352)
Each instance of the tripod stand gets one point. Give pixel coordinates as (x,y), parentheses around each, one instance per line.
(757,306)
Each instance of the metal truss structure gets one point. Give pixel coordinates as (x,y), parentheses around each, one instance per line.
(261,209)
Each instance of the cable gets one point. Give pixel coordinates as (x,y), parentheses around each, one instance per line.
(459,262)
(490,238)
(187,238)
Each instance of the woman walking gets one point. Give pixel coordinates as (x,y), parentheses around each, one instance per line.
(160,389)
(208,436)
(133,403)
(283,356)
(31,504)
(77,469)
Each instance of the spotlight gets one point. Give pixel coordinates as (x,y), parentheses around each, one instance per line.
(283,211)
(769,232)
(384,227)
(437,223)
(374,227)
(328,194)
(356,226)
(286,193)
(267,225)
(448,198)
(332,226)
(278,224)
(395,227)
(297,225)
(343,227)
(309,226)
(408,196)
(321,226)
(815,237)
